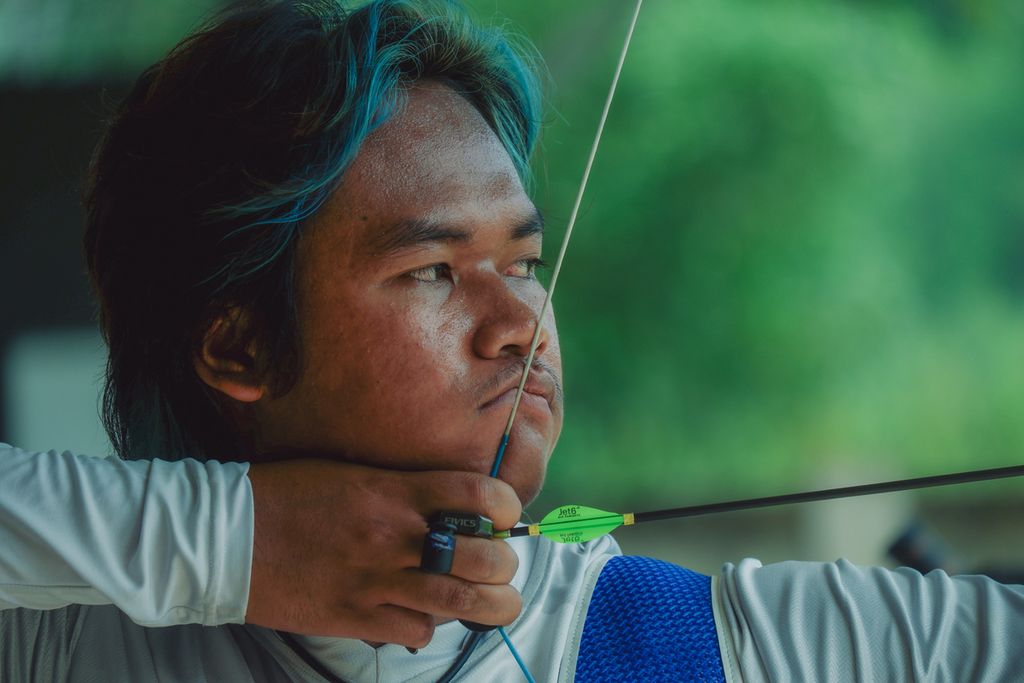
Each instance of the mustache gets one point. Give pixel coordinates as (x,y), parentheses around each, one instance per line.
(514,371)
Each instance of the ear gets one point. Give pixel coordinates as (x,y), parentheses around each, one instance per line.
(223,362)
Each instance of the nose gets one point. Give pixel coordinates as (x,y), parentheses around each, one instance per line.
(507,324)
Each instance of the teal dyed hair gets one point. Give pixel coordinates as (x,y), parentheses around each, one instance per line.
(220,154)
(380,48)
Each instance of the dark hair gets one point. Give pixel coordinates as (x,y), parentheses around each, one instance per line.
(221,151)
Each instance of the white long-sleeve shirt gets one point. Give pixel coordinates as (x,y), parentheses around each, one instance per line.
(97,553)
(168,543)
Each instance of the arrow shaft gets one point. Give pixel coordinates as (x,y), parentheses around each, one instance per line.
(830,494)
(766,501)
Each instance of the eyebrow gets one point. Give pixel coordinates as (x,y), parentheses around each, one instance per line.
(413,233)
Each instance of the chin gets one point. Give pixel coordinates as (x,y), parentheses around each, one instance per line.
(528,494)
(526,477)
(525,464)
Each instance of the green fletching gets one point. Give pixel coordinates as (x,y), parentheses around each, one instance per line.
(578,523)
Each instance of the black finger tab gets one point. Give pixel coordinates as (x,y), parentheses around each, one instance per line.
(468,524)
(438,548)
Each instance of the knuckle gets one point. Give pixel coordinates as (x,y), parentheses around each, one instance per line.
(505,500)
(460,597)
(498,563)
(480,492)
(480,561)
(511,562)
(490,564)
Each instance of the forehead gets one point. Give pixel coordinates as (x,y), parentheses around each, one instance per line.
(436,160)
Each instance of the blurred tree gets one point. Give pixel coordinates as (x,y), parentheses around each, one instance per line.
(801,242)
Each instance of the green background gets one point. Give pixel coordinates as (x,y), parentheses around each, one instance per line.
(803,242)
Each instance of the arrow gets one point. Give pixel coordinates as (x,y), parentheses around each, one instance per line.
(579,523)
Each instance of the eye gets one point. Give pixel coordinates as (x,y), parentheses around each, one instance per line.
(526,268)
(434,273)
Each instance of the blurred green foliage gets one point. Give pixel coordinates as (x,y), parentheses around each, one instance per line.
(68,41)
(803,242)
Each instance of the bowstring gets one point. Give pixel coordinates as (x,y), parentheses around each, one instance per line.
(535,341)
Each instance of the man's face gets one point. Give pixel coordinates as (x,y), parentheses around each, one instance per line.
(416,304)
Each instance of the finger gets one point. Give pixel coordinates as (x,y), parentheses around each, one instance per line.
(467,492)
(449,597)
(480,560)
(393,624)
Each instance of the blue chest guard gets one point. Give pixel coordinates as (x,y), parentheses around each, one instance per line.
(649,621)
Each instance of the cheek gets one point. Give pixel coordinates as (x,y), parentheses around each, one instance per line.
(402,356)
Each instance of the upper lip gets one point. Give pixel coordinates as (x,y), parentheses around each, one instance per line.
(537,382)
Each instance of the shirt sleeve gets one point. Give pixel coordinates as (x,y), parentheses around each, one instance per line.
(165,542)
(839,622)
